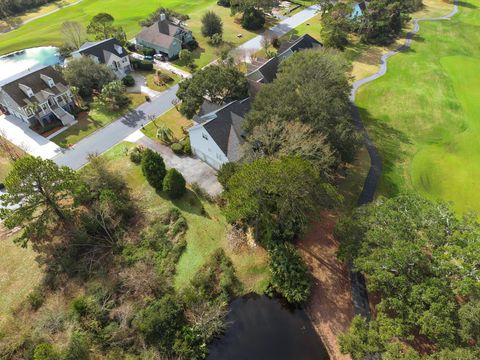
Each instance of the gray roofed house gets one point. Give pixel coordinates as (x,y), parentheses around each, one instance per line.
(109,52)
(217,136)
(38,97)
(164,37)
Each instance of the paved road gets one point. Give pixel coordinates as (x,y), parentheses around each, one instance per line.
(104,139)
(359,293)
(40,16)
(279,30)
(107,137)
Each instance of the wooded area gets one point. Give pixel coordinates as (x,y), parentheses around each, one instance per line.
(16,7)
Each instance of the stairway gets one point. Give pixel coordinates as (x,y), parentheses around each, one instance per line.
(65,117)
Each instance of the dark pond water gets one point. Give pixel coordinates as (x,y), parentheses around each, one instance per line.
(262,328)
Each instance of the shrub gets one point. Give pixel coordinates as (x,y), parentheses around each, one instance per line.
(226,172)
(253,19)
(148,51)
(185,56)
(177,148)
(290,276)
(77,348)
(153,168)
(79,306)
(36,299)
(276,42)
(216,40)
(187,147)
(174,184)
(191,45)
(142,64)
(136,155)
(128,81)
(224,3)
(45,351)
(131,46)
(2,186)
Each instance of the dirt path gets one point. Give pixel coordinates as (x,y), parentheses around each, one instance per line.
(330,307)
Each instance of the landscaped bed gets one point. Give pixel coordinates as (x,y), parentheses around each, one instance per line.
(160,80)
(173,120)
(88,122)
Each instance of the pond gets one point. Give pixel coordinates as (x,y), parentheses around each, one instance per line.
(262,328)
(23,60)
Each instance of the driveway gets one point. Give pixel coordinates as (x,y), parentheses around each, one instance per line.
(193,170)
(107,137)
(18,133)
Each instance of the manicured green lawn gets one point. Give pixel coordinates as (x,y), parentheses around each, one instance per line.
(171,119)
(424,115)
(93,120)
(206,230)
(150,79)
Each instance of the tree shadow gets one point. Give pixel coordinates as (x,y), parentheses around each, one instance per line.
(389,143)
(189,202)
(467,5)
(133,118)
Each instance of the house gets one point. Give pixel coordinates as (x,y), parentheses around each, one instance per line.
(218,133)
(264,72)
(358,9)
(109,52)
(38,97)
(165,37)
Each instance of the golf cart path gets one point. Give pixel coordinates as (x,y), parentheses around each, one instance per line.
(359,293)
(40,16)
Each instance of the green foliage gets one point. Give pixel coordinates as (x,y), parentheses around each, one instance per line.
(253,19)
(36,298)
(336,25)
(45,351)
(174,184)
(226,172)
(165,134)
(128,81)
(187,146)
(418,262)
(277,196)
(311,87)
(148,51)
(169,13)
(45,192)
(102,28)
(362,338)
(186,57)
(221,83)
(216,40)
(77,348)
(211,24)
(113,96)
(290,275)
(86,75)
(153,169)
(159,322)
(136,154)
(177,148)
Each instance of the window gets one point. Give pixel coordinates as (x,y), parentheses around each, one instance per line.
(204,136)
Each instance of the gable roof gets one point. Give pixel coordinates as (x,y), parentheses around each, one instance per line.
(267,72)
(161,33)
(39,88)
(224,125)
(102,49)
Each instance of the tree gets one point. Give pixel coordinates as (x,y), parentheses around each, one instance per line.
(290,276)
(165,134)
(44,194)
(277,139)
(186,57)
(113,96)
(74,33)
(361,339)
(469,317)
(253,19)
(218,83)
(226,172)
(174,184)
(211,24)
(275,196)
(417,257)
(86,75)
(336,25)
(311,87)
(153,169)
(101,26)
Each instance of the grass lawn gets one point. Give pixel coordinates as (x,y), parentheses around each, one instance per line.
(19,273)
(206,231)
(424,115)
(150,79)
(171,119)
(93,120)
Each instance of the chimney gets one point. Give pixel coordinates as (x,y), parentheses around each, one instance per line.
(162,17)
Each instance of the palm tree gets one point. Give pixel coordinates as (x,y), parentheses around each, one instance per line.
(165,134)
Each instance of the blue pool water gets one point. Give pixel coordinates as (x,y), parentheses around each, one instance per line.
(28,59)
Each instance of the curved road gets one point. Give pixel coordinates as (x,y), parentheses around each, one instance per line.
(40,16)
(359,293)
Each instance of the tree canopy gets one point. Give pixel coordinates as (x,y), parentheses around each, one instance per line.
(311,87)
(422,261)
(211,24)
(101,27)
(220,84)
(113,96)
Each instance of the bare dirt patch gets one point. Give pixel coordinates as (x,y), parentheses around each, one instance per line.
(330,306)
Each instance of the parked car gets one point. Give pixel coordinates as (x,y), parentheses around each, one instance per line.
(160,57)
(147,57)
